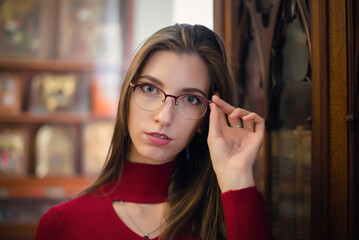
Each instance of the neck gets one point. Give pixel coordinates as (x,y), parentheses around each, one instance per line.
(142,183)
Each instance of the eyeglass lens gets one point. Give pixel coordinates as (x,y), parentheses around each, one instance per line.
(150,98)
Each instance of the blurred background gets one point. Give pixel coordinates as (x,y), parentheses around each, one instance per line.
(62,63)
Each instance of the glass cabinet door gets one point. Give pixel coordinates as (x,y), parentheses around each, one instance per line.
(289,127)
(274,74)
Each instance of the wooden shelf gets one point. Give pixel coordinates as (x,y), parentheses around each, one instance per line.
(47,188)
(57,117)
(18,231)
(57,65)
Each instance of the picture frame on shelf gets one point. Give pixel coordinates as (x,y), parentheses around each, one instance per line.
(96,139)
(59,93)
(10,93)
(24,28)
(55,151)
(90,30)
(13,152)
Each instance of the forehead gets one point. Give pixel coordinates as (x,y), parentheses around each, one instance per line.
(177,71)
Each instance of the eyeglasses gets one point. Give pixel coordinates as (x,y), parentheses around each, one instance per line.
(151,98)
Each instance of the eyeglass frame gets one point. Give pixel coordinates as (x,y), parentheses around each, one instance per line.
(135,85)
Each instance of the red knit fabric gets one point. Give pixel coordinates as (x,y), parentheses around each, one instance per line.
(92,217)
(142,183)
(246,215)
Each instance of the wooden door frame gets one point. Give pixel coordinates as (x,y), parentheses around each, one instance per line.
(335,120)
(320,120)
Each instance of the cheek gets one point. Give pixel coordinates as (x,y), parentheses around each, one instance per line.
(134,116)
(131,118)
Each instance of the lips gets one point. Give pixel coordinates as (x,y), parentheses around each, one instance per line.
(158,138)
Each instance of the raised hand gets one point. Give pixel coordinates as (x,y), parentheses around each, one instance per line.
(234,147)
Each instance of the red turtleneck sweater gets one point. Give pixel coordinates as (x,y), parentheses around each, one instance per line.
(93,217)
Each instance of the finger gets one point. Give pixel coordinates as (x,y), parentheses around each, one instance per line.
(214,130)
(248,123)
(223,105)
(235,117)
(258,121)
(239,113)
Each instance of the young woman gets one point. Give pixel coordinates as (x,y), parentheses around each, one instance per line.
(181,158)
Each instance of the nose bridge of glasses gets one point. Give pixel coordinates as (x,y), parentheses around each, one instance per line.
(172,96)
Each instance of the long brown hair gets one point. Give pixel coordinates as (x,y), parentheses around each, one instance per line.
(195,206)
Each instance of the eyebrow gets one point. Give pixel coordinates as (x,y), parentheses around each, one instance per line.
(155,80)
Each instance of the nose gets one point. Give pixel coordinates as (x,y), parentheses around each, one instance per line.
(166,113)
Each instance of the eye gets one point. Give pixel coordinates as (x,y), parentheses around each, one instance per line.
(148,88)
(191,99)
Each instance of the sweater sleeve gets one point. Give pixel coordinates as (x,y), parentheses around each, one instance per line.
(50,226)
(246,215)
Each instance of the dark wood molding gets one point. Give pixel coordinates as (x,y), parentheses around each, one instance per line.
(338,154)
(320,124)
(353,118)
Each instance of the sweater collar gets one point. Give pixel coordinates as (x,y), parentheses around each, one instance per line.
(142,183)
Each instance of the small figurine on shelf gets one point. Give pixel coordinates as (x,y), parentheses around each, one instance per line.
(10,93)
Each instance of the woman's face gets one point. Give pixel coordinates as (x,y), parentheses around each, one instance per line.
(158,136)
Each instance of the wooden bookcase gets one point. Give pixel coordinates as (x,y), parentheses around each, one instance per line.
(27,192)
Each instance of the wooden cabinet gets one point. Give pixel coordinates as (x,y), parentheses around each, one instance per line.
(325,207)
(91,40)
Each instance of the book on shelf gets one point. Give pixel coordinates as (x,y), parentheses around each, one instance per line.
(55,151)
(13,152)
(10,93)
